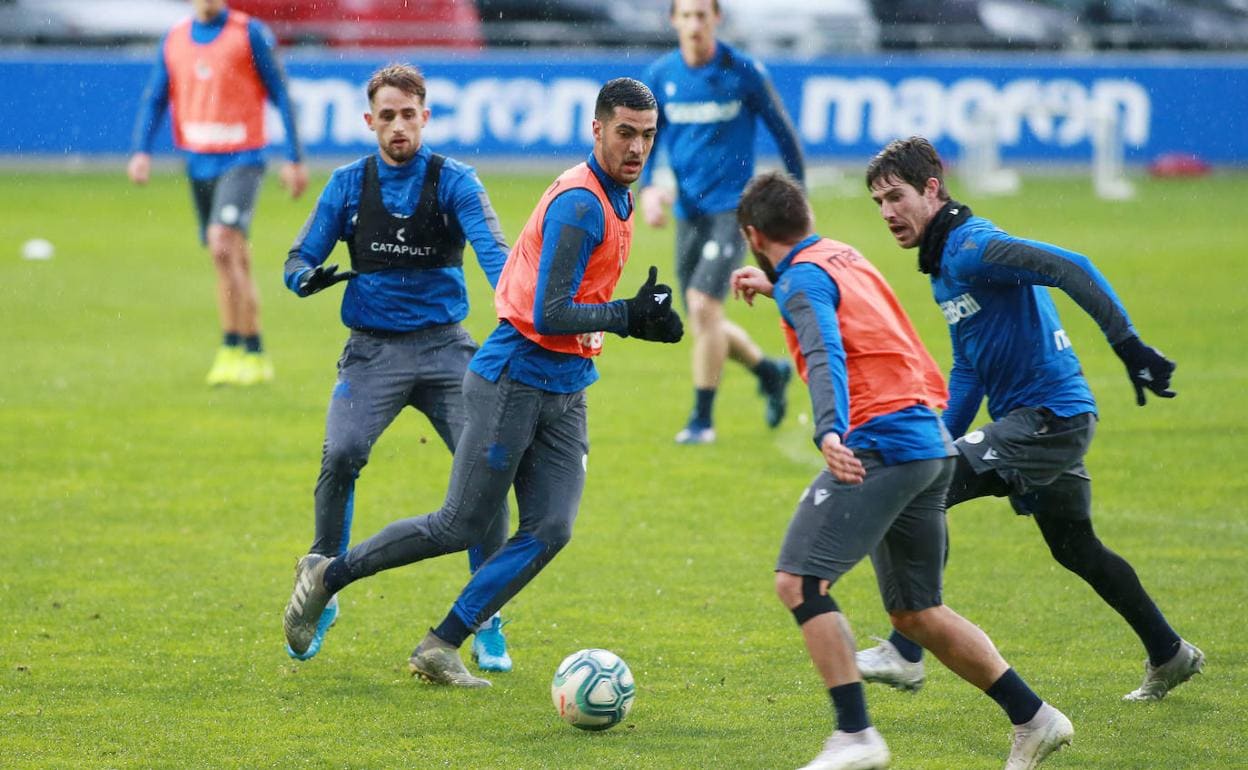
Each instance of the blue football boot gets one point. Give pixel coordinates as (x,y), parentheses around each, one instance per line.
(489,647)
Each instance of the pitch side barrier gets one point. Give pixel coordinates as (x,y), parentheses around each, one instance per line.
(1042,108)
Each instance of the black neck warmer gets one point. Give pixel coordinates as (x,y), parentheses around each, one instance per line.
(932,246)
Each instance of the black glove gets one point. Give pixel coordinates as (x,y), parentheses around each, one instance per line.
(322,277)
(650,314)
(1146,367)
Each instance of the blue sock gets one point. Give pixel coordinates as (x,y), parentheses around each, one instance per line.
(1012,694)
(703,404)
(850,704)
(252,343)
(233,339)
(909,650)
(452,630)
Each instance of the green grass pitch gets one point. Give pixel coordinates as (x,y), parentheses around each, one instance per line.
(151,524)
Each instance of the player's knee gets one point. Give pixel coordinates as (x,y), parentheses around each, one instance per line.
(346,457)
(228,247)
(704,310)
(910,623)
(789,589)
(554,534)
(1074,545)
(814,601)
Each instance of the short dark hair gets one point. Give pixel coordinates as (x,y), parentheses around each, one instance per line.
(623,92)
(404,77)
(913,161)
(714,7)
(774,204)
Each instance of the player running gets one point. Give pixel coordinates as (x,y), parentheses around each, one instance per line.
(1008,344)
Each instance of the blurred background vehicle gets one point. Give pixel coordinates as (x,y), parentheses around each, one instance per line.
(977,24)
(1162,24)
(767,28)
(97,23)
(370,23)
(575,23)
(802,28)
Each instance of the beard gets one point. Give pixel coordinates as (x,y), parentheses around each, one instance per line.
(401,154)
(765,265)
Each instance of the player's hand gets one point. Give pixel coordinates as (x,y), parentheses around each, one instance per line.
(748,282)
(1147,368)
(650,314)
(654,203)
(322,277)
(139,169)
(294,178)
(841,460)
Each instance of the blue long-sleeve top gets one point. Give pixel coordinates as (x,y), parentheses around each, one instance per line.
(401,299)
(707,120)
(809,298)
(1008,342)
(155,101)
(572,228)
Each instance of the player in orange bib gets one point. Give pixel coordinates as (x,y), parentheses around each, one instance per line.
(525,394)
(213,74)
(874,390)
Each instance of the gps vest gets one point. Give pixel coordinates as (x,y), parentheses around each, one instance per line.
(426,239)
(886,364)
(216,96)
(517,287)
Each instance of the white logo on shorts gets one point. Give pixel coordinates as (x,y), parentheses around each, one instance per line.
(805,494)
(974,437)
(710,250)
(991,455)
(229,214)
(585,463)
(821,495)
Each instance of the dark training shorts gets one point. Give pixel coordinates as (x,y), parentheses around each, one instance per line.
(708,249)
(1033,457)
(229,199)
(896,515)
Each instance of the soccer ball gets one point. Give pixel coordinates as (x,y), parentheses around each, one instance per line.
(593,689)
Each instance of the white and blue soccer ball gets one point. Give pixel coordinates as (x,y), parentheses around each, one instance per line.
(593,689)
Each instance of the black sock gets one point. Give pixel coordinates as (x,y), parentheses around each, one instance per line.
(252,343)
(233,339)
(1012,694)
(703,405)
(452,630)
(768,374)
(850,704)
(911,651)
(337,576)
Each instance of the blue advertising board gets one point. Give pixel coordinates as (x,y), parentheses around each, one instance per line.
(533,105)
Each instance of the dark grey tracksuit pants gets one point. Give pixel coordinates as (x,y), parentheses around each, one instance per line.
(515,434)
(379,375)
